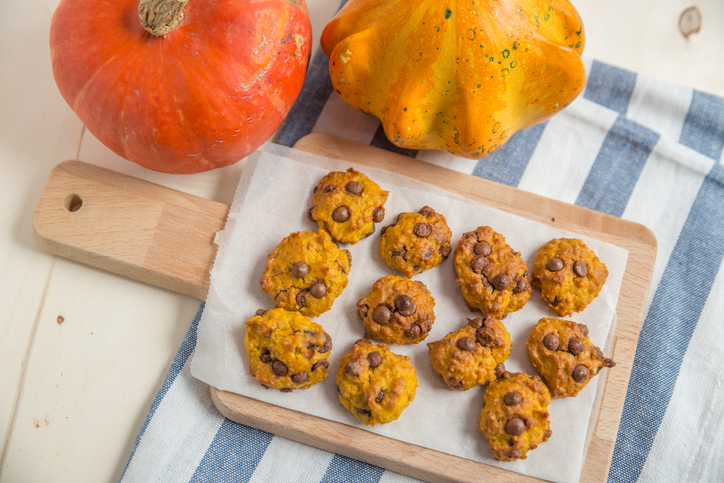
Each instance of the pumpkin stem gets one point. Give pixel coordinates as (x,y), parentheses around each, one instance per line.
(160,17)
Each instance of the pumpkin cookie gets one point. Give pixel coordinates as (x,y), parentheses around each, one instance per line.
(286,350)
(416,242)
(493,277)
(472,355)
(514,418)
(374,383)
(347,205)
(397,310)
(306,272)
(568,274)
(564,355)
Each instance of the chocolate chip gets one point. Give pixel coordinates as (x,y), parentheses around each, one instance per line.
(300,378)
(400,253)
(423,230)
(260,312)
(286,389)
(486,282)
(512,398)
(445,250)
(580,268)
(323,363)
(499,369)
(479,263)
(575,345)
(501,282)
(351,369)
(414,331)
(482,248)
(355,187)
(515,426)
(266,357)
(551,341)
(514,453)
(279,368)
(301,298)
(475,323)
(309,214)
(378,214)
(375,359)
(363,412)
(554,264)
(380,396)
(521,286)
(371,231)
(466,344)
(581,373)
(341,214)
(330,187)
(381,314)
(300,269)
(362,310)
(426,211)
(318,290)
(327,344)
(469,234)
(404,305)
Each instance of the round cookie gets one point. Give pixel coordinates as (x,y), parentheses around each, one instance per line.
(514,417)
(416,242)
(286,350)
(374,383)
(473,355)
(493,277)
(306,272)
(568,274)
(347,205)
(564,355)
(397,310)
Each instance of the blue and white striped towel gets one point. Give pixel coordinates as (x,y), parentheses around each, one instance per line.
(630,146)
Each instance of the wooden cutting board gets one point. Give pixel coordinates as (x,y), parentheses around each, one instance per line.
(164,237)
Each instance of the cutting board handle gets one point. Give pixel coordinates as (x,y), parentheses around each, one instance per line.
(128,226)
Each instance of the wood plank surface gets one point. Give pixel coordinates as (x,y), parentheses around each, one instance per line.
(173,248)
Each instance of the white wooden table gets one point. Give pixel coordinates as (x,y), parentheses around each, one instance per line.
(83,352)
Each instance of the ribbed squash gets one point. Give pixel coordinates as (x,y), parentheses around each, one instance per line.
(458,75)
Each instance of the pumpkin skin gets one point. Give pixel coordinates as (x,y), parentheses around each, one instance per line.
(204,96)
(463,75)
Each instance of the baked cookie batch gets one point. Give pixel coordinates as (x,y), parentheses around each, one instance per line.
(308,270)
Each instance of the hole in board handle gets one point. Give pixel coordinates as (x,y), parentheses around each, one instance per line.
(73,203)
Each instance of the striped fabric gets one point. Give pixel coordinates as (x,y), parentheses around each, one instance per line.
(630,146)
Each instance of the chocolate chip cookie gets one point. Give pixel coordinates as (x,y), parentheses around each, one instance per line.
(374,383)
(493,277)
(514,418)
(416,242)
(473,355)
(286,350)
(397,310)
(568,274)
(306,272)
(564,355)
(347,205)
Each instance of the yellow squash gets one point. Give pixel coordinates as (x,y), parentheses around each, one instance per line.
(458,75)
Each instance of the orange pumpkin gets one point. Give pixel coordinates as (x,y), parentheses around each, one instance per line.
(462,75)
(176,87)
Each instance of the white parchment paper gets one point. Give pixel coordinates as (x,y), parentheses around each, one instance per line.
(271,202)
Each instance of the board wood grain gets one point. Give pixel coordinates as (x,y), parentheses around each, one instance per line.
(164,237)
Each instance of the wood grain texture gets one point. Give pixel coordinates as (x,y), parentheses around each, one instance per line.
(173,248)
(128,226)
